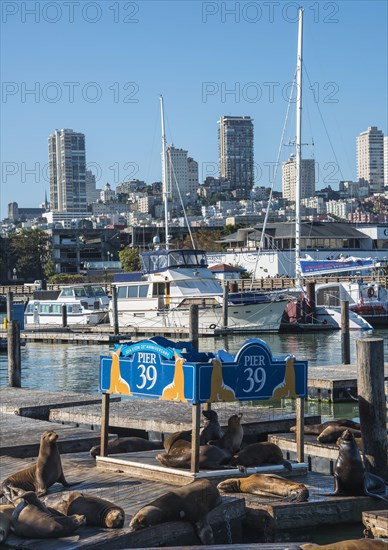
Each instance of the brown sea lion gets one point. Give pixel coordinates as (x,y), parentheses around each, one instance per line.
(33,520)
(189,503)
(174,440)
(360,544)
(210,456)
(127,445)
(258,454)
(266,485)
(350,477)
(232,438)
(6,511)
(212,429)
(316,429)
(333,432)
(40,476)
(97,511)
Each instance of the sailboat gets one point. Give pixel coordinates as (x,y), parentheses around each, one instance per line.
(159,297)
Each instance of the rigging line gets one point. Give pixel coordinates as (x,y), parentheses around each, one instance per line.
(324,125)
(273,183)
(180,198)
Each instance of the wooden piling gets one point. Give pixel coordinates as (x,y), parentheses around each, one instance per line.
(225,305)
(115,310)
(64,315)
(345,335)
(196,409)
(104,424)
(9,306)
(299,429)
(310,295)
(193,328)
(371,403)
(14,357)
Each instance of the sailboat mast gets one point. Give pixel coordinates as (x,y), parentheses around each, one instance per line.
(164,172)
(298,156)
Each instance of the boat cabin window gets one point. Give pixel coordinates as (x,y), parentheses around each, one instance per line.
(132,291)
(79,292)
(57,308)
(98,291)
(160,260)
(67,292)
(158,289)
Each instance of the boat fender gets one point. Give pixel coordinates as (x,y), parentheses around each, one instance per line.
(371,292)
(212,327)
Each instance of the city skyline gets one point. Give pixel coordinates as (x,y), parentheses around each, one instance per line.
(185,52)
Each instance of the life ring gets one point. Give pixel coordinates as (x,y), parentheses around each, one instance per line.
(371,292)
(212,327)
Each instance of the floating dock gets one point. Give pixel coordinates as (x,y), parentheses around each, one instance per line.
(376,522)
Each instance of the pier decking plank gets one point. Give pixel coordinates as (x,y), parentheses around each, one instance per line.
(376,522)
(20,436)
(131,494)
(38,403)
(167,417)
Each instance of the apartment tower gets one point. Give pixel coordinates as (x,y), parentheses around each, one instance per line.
(370,159)
(289,179)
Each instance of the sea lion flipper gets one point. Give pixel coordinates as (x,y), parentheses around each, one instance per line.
(204,531)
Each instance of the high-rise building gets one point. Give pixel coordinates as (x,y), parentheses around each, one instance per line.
(235,146)
(386,160)
(67,162)
(370,159)
(182,174)
(307,179)
(92,193)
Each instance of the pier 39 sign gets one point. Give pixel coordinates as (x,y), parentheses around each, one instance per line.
(161,369)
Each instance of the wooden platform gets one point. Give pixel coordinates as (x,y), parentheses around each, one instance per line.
(274,520)
(376,522)
(160,417)
(144,465)
(320,456)
(335,383)
(38,403)
(20,436)
(131,494)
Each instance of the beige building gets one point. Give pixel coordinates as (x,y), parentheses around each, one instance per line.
(370,159)
(289,179)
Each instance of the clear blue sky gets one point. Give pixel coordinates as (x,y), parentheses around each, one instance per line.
(99,67)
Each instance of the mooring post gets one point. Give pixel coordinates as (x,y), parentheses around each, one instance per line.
(300,429)
(196,410)
(14,357)
(310,295)
(225,299)
(104,424)
(9,306)
(115,310)
(345,336)
(64,316)
(371,403)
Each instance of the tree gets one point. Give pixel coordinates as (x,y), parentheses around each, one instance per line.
(130,259)
(30,250)
(204,239)
(49,269)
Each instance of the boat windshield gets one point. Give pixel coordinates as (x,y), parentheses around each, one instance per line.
(160,260)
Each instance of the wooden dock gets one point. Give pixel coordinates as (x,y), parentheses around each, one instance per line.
(156,417)
(38,403)
(131,494)
(376,522)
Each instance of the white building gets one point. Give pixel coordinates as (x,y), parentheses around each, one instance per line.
(92,194)
(181,177)
(107,194)
(385,160)
(289,179)
(316,203)
(370,159)
(339,208)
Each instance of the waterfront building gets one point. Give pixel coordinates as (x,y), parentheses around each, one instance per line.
(235,146)
(67,161)
(289,178)
(370,159)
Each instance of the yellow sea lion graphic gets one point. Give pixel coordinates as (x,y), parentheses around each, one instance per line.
(287,387)
(117,383)
(219,391)
(175,390)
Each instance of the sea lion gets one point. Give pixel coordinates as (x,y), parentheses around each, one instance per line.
(189,503)
(210,456)
(258,454)
(212,429)
(173,441)
(6,511)
(127,445)
(32,519)
(40,476)
(350,477)
(232,438)
(266,485)
(360,544)
(316,429)
(97,511)
(333,432)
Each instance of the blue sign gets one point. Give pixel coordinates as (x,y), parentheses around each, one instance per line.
(157,369)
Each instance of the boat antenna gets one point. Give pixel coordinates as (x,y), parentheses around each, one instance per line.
(298,155)
(164,173)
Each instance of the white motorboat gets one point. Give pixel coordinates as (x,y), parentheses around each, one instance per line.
(171,280)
